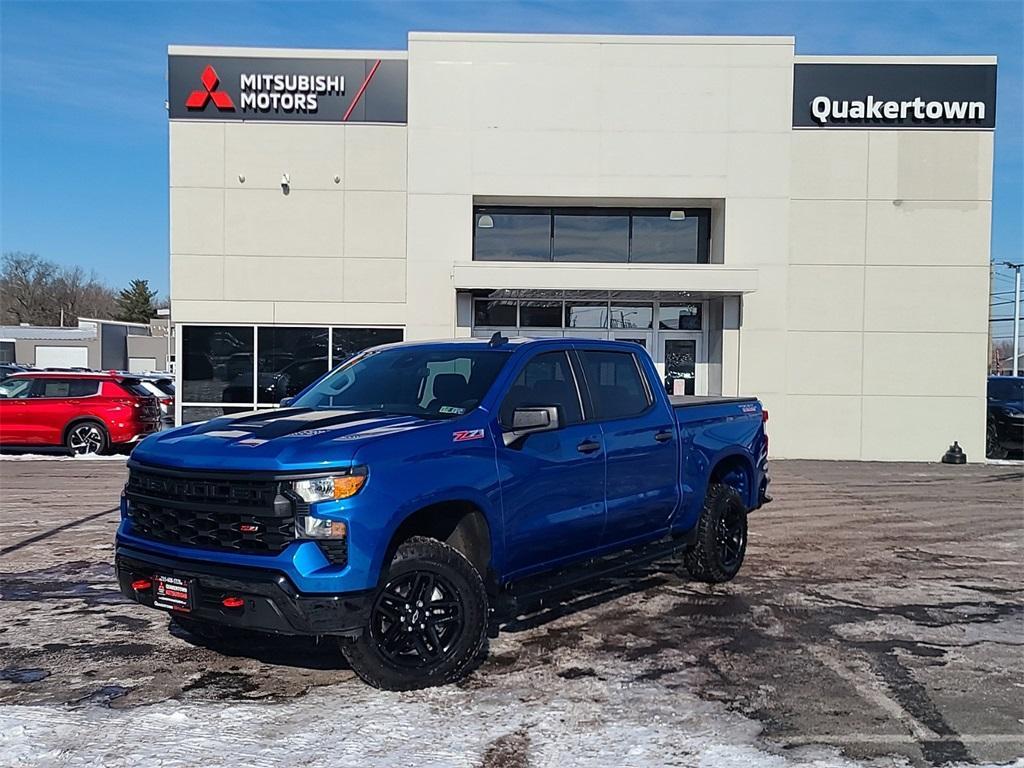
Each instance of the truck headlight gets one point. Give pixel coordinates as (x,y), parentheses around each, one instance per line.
(330,487)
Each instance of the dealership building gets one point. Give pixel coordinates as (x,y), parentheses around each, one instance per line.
(813,230)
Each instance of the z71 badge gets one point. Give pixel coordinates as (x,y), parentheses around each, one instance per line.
(467,434)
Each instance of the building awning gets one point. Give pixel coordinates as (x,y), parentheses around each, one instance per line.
(678,281)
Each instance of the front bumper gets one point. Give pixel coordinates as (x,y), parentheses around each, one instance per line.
(271,601)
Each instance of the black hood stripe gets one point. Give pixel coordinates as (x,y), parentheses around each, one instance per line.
(281,422)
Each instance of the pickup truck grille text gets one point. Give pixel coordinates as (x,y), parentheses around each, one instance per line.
(248,516)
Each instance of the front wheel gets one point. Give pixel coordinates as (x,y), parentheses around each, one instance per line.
(993,448)
(87,438)
(721,543)
(428,621)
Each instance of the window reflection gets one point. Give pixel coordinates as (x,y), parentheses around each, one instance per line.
(591,238)
(679,317)
(346,342)
(660,239)
(193,413)
(218,364)
(494,313)
(631,315)
(594,235)
(214,357)
(586,314)
(520,236)
(540,314)
(290,359)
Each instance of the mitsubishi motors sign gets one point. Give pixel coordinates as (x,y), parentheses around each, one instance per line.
(288,89)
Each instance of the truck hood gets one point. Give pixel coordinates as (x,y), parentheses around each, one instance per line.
(277,440)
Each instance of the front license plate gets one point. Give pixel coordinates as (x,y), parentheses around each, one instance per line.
(172,593)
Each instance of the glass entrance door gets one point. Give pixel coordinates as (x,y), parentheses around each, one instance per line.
(682,356)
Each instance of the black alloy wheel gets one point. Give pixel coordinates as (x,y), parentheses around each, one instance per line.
(428,622)
(417,620)
(731,536)
(721,537)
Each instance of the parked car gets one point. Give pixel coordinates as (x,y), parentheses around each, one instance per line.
(1005,433)
(82,412)
(162,388)
(6,369)
(404,494)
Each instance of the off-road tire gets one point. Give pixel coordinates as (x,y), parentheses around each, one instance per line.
(993,448)
(711,559)
(87,437)
(457,581)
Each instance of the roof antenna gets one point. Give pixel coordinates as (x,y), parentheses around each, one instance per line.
(497,340)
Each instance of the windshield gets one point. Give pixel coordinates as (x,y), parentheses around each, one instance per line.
(409,381)
(15,387)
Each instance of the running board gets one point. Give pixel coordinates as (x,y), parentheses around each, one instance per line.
(520,595)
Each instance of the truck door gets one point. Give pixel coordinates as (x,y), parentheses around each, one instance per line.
(552,483)
(639,442)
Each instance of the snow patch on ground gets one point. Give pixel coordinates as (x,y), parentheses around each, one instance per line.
(591,723)
(60,457)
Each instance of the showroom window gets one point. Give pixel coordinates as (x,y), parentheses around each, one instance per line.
(586,315)
(232,369)
(592,235)
(679,317)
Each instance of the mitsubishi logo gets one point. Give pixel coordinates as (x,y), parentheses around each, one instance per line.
(198,99)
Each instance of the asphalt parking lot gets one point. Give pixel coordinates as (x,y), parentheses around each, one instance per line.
(877,620)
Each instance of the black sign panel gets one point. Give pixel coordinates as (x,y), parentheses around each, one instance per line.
(894,96)
(289,89)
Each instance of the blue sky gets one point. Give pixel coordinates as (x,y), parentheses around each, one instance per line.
(83,165)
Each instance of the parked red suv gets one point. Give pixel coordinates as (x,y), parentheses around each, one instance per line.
(83,412)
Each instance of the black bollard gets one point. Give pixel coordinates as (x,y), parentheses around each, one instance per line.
(955,455)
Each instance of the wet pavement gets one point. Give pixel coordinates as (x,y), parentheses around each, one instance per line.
(878,618)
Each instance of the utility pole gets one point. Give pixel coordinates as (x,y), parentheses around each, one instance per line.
(1016,315)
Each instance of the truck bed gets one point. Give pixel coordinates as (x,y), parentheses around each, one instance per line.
(688,401)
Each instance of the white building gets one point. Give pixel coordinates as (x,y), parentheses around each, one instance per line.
(812,230)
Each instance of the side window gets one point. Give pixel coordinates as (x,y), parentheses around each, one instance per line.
(54,388)
(615,382)
(545,380)
(66,388)
(15,388)
(83,388)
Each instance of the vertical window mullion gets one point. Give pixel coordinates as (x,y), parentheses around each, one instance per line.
(629,240)
(255,363)
(551,237)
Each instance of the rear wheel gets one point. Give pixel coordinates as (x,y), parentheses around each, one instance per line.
(87,437)
(721,543)
(428,621)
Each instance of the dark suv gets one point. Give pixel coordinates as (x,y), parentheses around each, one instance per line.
(1005,416)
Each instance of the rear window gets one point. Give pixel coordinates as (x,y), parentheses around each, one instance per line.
(165,385)
(67,387)
(136,387)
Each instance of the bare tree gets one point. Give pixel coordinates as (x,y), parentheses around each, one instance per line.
(37,291)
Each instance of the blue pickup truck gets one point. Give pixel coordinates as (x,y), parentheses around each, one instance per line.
(399,499)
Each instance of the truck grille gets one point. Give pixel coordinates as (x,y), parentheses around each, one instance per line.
(247,515)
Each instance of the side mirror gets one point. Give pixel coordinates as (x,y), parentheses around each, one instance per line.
(286,402)
(527,421)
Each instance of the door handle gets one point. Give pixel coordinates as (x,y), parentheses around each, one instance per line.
(588,446)
(664,436)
